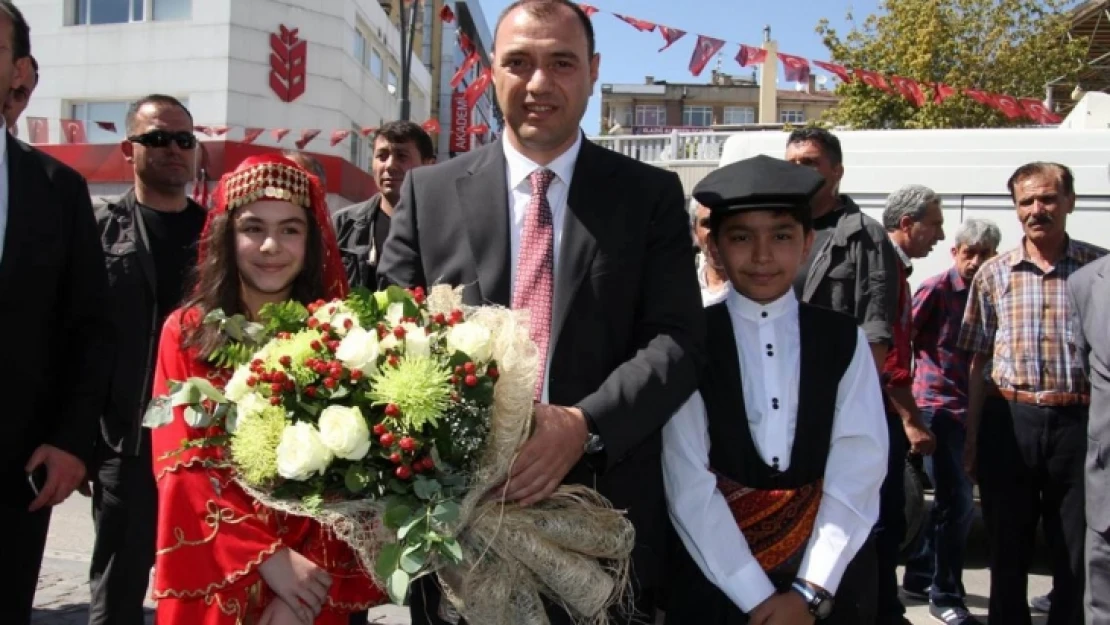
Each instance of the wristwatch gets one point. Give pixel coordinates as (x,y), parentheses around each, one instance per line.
(819,602)
(593,440)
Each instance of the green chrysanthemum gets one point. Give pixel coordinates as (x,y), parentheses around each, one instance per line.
(254,445)
(298,347)
(420,387)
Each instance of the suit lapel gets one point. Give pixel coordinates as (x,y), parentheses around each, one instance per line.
(142,241)
(484,198)
(20,207)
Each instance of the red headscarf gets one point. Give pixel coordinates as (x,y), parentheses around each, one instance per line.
(278,178)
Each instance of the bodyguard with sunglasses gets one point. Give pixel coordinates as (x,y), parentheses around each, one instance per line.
(149,237)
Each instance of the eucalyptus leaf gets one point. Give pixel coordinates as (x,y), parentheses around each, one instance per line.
(399,586)
(396,515)
(229,413)
(186,394)
(414,525)
(426,489)
(446,512)
(197,417)
(413,559)
(388,558)
(210,392)
(451,550)
(158,413)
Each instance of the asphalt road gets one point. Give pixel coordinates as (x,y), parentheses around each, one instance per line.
(63,591)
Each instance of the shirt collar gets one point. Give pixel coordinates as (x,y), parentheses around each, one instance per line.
(1071,250)
(957,281)
(520,166)
(754,311)
(902,254)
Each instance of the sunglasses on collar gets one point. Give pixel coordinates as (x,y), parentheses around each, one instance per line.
(162,139)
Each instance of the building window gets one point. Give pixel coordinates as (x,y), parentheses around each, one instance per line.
(357,151)
(170,10)
(620,114)
(92,112)
(392,81)
(792,116)
(651,115)
(107,11)
(376,64)
(697,116)
(360,49)
(739,115)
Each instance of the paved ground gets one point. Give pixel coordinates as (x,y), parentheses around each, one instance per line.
(62,597)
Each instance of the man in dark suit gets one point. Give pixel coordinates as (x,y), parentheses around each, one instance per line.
(597,247)
(1089,292)
(57,335)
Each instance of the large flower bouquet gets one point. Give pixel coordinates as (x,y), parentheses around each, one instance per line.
(389,417)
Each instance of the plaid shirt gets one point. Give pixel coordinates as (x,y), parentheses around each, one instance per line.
(1020,314)
(899,359)
(940,367)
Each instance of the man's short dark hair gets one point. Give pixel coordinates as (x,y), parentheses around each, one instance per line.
(154,98)
(1063,176)
(546,8)
(21,32)
(404,131)
(830,145)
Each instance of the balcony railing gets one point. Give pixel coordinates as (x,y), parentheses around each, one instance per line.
(702,147)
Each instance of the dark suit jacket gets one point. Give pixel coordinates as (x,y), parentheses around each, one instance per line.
(52,310)
(627,322)
(1089,291)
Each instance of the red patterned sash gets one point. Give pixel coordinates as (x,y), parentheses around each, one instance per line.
(776,523)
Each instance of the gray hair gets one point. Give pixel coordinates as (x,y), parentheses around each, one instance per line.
(910,201)
(692,210)
(978,233)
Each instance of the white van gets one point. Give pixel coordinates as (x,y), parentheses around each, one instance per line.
(968,169)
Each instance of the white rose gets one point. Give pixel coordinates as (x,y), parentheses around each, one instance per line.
(237,387)
(336,314)
(301,452)
(471,339)
(394,313)
(417,342)
(344,431)
(359,350)
(251,405)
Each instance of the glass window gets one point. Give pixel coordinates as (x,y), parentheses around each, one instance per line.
(92,112)
(699,116)
(108,11)
(356,148)
(651,115)
(621,114)
(359,49)
(392,80)
(792,116)
(376,64)
(170,10)
(739,115)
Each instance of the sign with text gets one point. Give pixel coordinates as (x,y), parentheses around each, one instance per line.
(460,123)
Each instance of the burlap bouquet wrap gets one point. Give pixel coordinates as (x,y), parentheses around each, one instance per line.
(572,548)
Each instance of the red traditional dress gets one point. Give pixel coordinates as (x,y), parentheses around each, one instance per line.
(212,536)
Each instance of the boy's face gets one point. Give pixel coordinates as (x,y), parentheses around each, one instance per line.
(761,252)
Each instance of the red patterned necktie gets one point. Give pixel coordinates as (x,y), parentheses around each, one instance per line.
(535,269)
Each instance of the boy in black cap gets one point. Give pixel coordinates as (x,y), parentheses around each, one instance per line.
(773,486)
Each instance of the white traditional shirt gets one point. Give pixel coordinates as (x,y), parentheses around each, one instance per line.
(854,471)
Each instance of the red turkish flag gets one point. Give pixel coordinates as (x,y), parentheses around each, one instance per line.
(250,134)
(840,71)
(216,131)
(38,129)
(942,92)
(307,136)
(478,129)
(670,35)
(909,89)
(874,80)
(703,52)
(431,126)
(1008,104)
(1035,110)
(203,129)
(109,126)
(463,69)
(477,88)
(982,97)
(73,131)
(749,55)
(795,68)
(446,14)
(366,131)
(643,26)
(279,133)
(337,136)
(588,9)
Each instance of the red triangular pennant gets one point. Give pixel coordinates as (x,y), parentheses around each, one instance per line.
(478,129)
(1038,112)
(750,55)
(982,97)
(704,50)
(38,130)
(477,88)
(874,80)
(366,131)
(795,68)
(217,131)
(909,89)
(588,9)
(73,131)
(109,126)
(337,136)
(446,14)
(942,92)
(250,134)
(307,136)
(463,69)
(1008,104)
(670,35)
(203,129)
(279,133)
(431,126)
(840,71)
(643,26)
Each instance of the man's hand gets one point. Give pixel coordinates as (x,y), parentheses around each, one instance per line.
(297,581)
(971,459)
(64,473)
(922,440)
(556,444)
(786,608)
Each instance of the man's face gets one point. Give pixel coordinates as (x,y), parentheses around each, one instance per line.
(760,252)
(391,162)
(701,228)
(18,99)
(13,74)
(810,154)
(543,76)
(922,235)
(169,167)
(969,258)
(1042,206)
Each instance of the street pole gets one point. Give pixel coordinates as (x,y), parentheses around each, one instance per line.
(408,36)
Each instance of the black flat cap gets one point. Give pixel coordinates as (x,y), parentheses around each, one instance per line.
(758,183)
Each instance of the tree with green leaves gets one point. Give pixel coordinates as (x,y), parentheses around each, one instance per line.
(1012,47)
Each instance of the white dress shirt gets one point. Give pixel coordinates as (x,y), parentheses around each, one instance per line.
(854,471)
(709,296)
(518,168)
(4,188)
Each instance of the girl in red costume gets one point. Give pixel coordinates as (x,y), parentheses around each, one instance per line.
(223,558)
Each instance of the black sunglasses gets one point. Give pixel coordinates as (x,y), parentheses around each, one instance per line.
(162,139)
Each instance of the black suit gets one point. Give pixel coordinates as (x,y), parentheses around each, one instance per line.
(57,344)
(627,325)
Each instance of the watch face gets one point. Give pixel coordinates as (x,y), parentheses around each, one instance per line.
(824,608)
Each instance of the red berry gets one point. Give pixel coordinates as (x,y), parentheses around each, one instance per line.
(312,308)
(333,346)
(315,345)
(275,388)
(386,440)
(471,380)
(251,381)
(286,361)
(310,391)
(457,315)
(356,375)
(399,332)
(407,444)
(469,367)
(289,386)
(348,323)
(459,370)
(393,361)
(257,362)
(403,473)
(454,379)
(320,368)
(391,410)
(325,327)
(330,383)
(313,322)
(379,429)
(429,464)
(275,401)
(440,319)
(492,372)
(395,458)
(331,310)
(279,377)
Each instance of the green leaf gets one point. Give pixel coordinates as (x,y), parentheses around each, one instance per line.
(357,478)
(398,586)
(452,550)
(312,502)
(426,489)
(414,525)
(210,392)
(413,559)
(396,515)
(186,394)
(158,413)
(446,512)
(397,294)
(197,417)
(339,393)
(388,559)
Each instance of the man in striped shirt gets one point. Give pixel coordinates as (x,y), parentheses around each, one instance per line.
(1026,426)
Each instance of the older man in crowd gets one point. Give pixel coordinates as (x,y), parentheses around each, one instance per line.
(711,277)
(935,572)
(1027,426)
(20,97)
